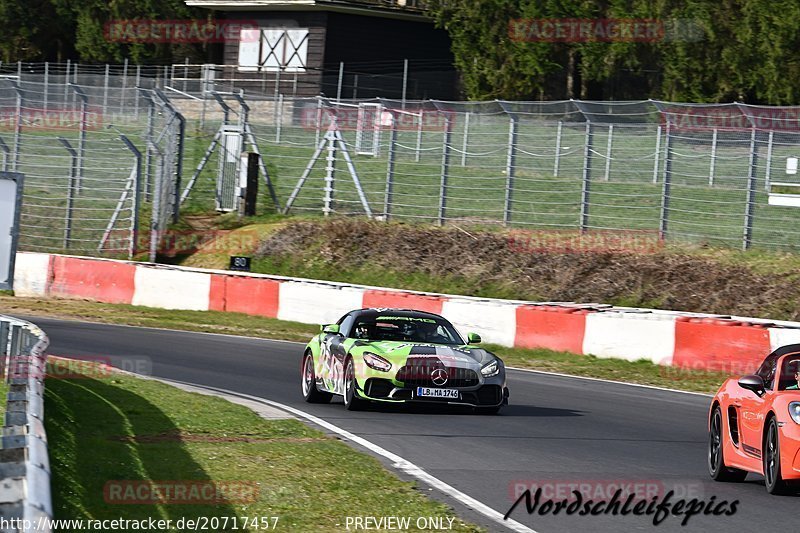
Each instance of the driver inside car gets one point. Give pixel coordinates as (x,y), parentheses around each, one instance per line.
(796,385)
(361,331)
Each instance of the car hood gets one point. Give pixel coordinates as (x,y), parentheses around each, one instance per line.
(452,355)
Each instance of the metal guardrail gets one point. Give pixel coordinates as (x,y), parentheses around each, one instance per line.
(25,497)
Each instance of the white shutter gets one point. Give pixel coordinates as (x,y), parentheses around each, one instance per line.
(272,52)
(296,49)
(249,41)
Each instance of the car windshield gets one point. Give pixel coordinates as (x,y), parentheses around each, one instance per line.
(406,329)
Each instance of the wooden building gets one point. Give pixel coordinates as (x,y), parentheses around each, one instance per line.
(303,44)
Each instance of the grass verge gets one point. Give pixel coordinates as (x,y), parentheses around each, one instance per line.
(643,372)
(107,428)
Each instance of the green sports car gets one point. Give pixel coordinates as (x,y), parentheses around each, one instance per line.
(401,355)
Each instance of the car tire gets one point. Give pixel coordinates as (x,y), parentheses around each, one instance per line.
(716,460)
(772,460)
(351,401)
(308,382)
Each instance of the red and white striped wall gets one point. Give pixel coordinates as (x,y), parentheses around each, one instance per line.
(665,337)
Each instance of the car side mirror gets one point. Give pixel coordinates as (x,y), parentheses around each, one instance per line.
(753,383)
(332,329)
(473,338)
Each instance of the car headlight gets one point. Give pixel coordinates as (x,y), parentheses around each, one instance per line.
(794,411)
(377,362)
(492,369)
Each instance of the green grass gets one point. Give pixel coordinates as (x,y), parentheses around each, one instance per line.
(200,321)
(644,372)
(121,428)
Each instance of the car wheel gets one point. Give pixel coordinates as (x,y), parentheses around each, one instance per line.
(716,461)
(351,401)
(772,460)
(309,382)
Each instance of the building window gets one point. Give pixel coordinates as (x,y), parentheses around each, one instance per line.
(273,49)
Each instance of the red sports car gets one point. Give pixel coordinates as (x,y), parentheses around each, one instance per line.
(754,424)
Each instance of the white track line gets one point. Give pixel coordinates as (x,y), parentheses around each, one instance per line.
(397,462)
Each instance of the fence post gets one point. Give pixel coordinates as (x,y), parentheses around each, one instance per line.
(279,123)
(155,219)
(388,196)
(448,134)
(713,163)
(751,192)
(558,149)
(419,136)
(73,171)
(137,82)
(105,89)
(17,129)
(587,176)
(176,151)
(330,176)
(82,136)
(319,121)
(405,83)
(511,166)
(608,152)
(137,196)
(465,144)
(123,94)
(179,164)
(66,86)
(665,192)
(277,84)
(656,158)
(768,170)
(46,83)
(341,80)
(74,80)
(148,160)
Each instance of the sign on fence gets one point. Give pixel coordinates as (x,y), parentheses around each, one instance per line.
(10,207)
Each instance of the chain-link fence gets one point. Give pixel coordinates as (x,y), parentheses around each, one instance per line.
(114,156)
(705,173)
(96,162)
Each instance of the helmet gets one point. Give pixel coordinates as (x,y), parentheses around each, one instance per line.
(361,331)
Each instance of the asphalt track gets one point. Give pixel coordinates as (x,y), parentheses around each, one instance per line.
(558,431)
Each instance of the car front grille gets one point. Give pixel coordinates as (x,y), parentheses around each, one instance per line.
(417,372)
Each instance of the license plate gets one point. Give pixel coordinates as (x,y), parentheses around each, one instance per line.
(425,392)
